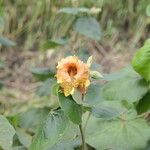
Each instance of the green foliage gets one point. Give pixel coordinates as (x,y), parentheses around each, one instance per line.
(141,61)
(148,10)
(131,87)
(70,108)
(147,147)
(24,138)
(66,145)
(31,118)
(105,112)
(69,142)
(19,148)
(52,23)
(125,134)
(42,73)
(6,42)
(6,133)
(93,95)
(118,75)
(114,108)
(112,114)
(144,104)
(88,26)
(46,88)
(54,43)
(51,131)
(108,110)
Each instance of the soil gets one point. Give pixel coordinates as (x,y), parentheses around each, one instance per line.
(18,78)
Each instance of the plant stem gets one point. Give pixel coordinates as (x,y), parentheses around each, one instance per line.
(82,131)
(82,137)
(86,122)
(144,115)
(82,97)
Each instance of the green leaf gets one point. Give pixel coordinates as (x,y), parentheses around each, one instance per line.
(55,88)
(120,74)
(144,104)
(31,118)
(46,88)
(105,112)
(118,134)
(69,142)
(71,109)
(19,148)
(69,145)
(131,88)
(54,43)
(147,147)
(6,133)
(93,95)
(148,10)
(6,42)
(73,10)
(109,109)
(42,73)
(141,61)
(24,138)
(88,26)
(51,131)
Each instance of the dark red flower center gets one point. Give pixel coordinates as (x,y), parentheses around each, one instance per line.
(72,70)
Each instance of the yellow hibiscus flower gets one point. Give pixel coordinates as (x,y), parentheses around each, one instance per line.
(73,74)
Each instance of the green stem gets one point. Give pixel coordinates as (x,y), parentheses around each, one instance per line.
(82,132)
(82,137)
(86,122)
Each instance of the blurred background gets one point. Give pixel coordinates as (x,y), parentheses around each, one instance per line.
(35,34)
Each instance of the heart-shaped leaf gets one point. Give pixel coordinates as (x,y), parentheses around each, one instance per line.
(50,131)
(131,87)
(88,26)
(118,134)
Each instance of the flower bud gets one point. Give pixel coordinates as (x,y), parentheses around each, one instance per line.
(95,75)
